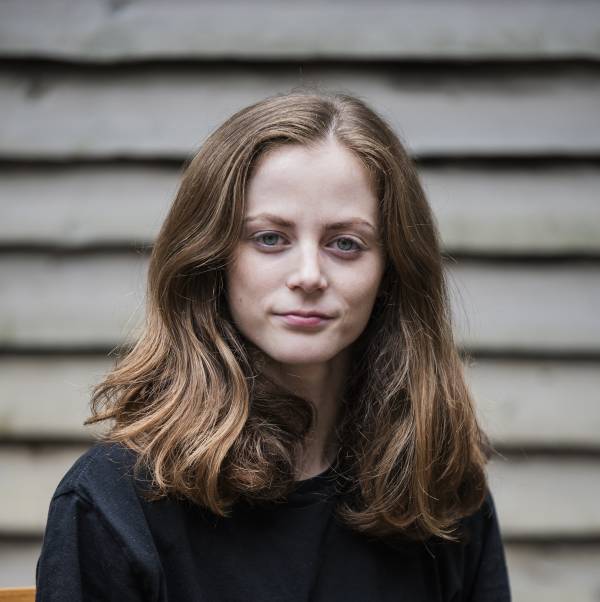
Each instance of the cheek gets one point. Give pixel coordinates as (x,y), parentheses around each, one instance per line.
(361,294)
(248,284)
(362,303)
(238,290)
(362,289)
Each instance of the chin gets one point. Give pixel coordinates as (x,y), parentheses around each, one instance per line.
(294,354)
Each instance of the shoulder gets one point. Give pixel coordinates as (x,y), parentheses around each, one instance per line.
(482,528)
(102,474)
(96,533)
(483,516)
(100,491)
(483,561)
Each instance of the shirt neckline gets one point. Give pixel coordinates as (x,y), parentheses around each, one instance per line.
(314,489)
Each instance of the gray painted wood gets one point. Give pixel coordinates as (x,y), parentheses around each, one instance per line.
(98,30)
(96,300)
(516,211)
(79,301)
(554,497)
(534,497)
(554,573)
(536,573)
(85,205)
(500,211)
(48,397)
(520,403)
(29,477)
(17,562)
(155,112)
(538,403)
(514,307)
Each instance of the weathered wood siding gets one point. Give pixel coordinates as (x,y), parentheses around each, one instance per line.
(498,102)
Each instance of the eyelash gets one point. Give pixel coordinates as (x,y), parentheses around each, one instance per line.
(354,251)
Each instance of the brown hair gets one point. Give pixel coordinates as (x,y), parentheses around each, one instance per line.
(190,398)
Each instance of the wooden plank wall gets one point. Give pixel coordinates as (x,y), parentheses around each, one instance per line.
(499,103)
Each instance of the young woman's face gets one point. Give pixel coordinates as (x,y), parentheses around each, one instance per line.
(310,244)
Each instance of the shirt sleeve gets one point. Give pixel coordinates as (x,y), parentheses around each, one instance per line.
(81,558)
(490,582)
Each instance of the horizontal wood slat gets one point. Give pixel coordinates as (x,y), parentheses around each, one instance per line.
(514,308)
(501,211)
(535,497)
(48,397)
(549,404)
(152,112)
(53,301)
(554,573)
(98,30)
(18,594)
(537,574)
(29,478)
(516,211)
(18,560)
(552,497)
(49,301)
(520,403)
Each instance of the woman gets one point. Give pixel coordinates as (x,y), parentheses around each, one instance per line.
(293,423)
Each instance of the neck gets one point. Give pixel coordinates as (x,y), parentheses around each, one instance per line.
(323,385)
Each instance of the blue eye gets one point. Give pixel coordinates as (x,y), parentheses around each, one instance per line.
(350,248)
(270,240)
(268,236)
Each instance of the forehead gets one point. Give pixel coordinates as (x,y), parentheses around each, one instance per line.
(325,178)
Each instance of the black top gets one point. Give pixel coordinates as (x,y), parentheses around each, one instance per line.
(104,541)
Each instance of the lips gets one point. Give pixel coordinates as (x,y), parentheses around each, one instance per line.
(299,321)
(305,313)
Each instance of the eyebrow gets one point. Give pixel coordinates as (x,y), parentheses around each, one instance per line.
(280,221)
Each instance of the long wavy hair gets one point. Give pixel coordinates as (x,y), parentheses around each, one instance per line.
(190,398)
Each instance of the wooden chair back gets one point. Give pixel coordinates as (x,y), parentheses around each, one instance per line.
(17,594)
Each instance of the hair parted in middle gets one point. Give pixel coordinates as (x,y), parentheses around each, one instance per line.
(190,396)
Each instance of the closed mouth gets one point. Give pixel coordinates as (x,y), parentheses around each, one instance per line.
(301,314)
(302,320)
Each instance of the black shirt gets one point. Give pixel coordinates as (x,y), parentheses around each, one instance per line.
(104,541)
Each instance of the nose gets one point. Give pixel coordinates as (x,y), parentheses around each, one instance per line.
(307,273)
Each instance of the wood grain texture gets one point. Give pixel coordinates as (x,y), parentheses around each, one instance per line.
(516,307)
(505,211)
(17,594)
(48,397)
(547,498)
(100,30)
(554,573)
(77,301)
(516,211)
(153,112)
(547,404)
(18,560)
